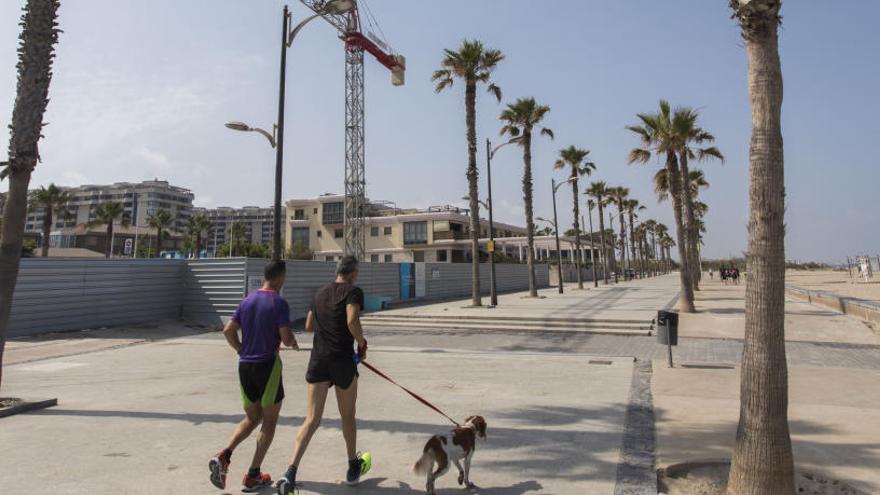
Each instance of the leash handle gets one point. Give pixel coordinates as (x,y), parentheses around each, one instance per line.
(413,394)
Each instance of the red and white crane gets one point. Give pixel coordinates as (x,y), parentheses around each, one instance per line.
(349,26)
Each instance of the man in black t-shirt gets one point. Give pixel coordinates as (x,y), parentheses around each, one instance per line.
(335,319)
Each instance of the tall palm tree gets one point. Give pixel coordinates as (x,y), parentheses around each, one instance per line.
(109,213)
(237,231)
(631,206)
(51,199)
(658,137)
(651,229)
(520,120)
(619,196)
(159,220)
(599,190)
(762,459)
(39,33)
(590,206)
(473,64)
(199,224)
(689,138)
(575,160)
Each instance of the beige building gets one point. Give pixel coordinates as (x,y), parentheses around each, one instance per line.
(436,234)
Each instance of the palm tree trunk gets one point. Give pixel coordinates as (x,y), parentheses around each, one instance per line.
(158,242)
(592,249)
(527,200)
(602,240)
(762,459)
(690,220)
(632,238)
(47,229)
(577,229)
(623,259)
(470,99)
(686,296)
(39,34)
(199,245)
(109,242)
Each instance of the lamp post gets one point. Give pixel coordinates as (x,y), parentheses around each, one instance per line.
(276,138)
(556,227)
(490,153)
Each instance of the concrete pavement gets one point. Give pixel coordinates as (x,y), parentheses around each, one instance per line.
(146,418)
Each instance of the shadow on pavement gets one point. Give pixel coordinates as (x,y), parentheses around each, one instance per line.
(371,486)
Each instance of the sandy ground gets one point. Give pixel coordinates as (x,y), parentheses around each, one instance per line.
(712,480)
(837,282)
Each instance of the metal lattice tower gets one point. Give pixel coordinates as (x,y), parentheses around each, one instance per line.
(355,183)
(349,26)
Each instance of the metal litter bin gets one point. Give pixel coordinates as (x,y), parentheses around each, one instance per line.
(667,328)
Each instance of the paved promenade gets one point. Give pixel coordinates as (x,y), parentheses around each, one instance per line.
(569,413)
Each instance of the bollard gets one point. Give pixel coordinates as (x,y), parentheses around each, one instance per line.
(667,331)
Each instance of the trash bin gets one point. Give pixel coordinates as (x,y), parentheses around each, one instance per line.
(667,328)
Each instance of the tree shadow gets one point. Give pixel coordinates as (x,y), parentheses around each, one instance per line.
(372,486)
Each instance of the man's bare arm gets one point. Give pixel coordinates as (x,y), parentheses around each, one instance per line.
(230,331)
(353,317)
(287,337)
(310,322)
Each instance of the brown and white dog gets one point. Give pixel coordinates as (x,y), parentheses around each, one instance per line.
(455,447)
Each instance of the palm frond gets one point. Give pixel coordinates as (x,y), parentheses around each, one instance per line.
(638,155)
(495,90)
(710,152)
(547,132)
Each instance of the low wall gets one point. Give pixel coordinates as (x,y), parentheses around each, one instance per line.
(57,294)
(860,308)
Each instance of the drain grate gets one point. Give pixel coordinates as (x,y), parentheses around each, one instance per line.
(709,366)
(597,361)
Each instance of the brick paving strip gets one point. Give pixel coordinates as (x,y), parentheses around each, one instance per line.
(636,472)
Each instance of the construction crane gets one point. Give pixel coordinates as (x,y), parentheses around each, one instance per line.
(349,26)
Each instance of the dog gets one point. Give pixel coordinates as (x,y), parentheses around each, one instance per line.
(455,447)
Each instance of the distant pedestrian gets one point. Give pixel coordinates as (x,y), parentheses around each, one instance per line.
(264,320)
(335,319)
(711,274)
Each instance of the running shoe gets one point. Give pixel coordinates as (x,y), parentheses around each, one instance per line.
(357,468)
(219,466)
(287,484)
(252,484)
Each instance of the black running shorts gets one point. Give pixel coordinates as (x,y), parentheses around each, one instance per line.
(261,383)
(337,371)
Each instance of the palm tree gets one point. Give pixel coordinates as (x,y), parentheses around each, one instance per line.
(50,199)
(575,160)
(108,213)
(520,119)
(762,459)
(631,206)
(473,64)
(198,225)
(658,137)
(590,206)
(39,33)
(159,220)
(237,231)
(618,196)
(696,180)
(684,122)
(651,228)
(599,190)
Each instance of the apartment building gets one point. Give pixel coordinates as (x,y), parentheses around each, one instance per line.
(434,234)
(140,200)
(258,222)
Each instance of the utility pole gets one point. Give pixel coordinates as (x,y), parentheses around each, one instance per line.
(493,291)
(556,228)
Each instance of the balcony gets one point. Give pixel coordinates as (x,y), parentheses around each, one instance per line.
(451,235)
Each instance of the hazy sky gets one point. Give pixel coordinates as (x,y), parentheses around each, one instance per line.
(142,89)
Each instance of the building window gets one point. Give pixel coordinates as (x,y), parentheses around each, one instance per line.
(441,255)
(387,258)
(333,213)
(374,258)
(301,236)
(328,258)
(415,233)
(299,214)
(374,231)
(318,233)
(337,233)
(314,211)
(387,231)
(419,256)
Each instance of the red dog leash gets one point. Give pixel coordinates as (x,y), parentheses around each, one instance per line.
(413,394)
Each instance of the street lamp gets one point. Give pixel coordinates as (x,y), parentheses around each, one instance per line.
(556,227)
(276,138)
(490,153)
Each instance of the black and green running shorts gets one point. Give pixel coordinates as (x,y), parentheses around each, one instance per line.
(261,382)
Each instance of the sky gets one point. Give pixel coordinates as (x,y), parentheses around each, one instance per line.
(141,90)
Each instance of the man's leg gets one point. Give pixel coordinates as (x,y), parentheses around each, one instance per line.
(267,433)
(347,401)
(317,397)
(253,417)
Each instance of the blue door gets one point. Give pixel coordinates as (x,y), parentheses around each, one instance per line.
(407,282)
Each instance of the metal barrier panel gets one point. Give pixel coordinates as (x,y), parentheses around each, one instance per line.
(57,294)
(212,288)
(449,280)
